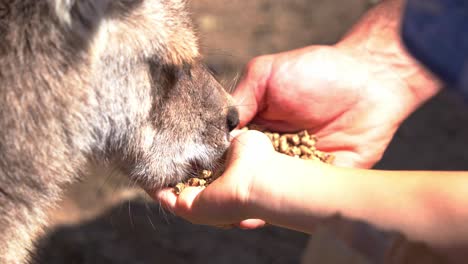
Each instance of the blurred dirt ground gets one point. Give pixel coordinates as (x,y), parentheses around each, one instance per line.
(102,220)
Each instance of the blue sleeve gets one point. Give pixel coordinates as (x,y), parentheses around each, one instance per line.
(436,33)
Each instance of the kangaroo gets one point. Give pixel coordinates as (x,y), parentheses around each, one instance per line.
(112,82)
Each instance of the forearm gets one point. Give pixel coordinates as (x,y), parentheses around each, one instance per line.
(376,39)
(425,206)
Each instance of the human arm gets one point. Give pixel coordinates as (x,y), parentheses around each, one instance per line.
(428,206)
(262,185)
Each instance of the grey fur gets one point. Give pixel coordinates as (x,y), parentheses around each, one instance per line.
(114,82)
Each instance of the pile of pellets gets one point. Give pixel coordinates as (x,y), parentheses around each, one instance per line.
(203,179)
(299,145)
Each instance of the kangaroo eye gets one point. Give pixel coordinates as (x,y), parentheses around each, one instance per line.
(131,1)
(212,69)
(128,5)
(4,10)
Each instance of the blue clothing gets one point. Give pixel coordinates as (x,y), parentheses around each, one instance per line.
(436,33)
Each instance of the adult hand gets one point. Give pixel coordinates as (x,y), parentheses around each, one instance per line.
(353,106)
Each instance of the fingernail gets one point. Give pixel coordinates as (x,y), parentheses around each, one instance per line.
(236,132)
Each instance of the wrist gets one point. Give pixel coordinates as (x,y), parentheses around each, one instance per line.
(294,194)
(376,41)
(264,191)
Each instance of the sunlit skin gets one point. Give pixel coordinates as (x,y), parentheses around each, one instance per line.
(353,96)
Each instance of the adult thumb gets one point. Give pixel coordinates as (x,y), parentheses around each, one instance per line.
(249,96)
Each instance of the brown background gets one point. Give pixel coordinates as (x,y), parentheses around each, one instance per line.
(101,220)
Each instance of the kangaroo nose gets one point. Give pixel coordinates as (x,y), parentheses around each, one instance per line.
(232,118)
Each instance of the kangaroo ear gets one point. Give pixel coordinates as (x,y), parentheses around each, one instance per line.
(80,14)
